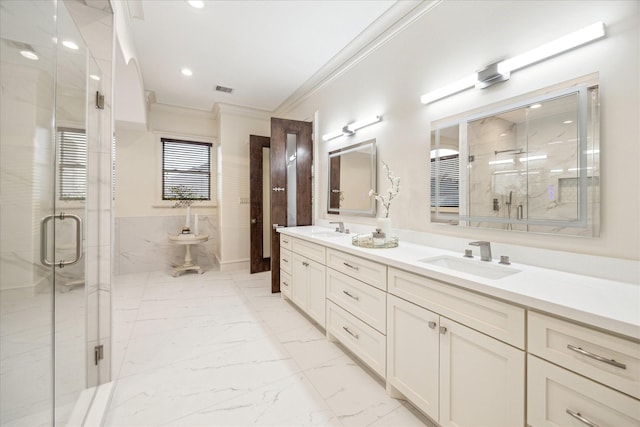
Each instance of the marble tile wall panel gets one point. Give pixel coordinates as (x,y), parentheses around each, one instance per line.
(142,243)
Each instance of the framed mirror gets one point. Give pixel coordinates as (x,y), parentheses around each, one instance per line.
(352,174)
(530,166)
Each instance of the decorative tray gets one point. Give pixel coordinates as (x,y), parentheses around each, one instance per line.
(366,241)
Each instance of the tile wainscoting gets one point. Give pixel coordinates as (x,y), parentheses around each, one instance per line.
(142,243)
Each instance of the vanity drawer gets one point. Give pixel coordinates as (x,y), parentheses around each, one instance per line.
(285,260)
(285,283)
(553,394)
(285,241)
(367,303)
(605,358)
(310,250)
(498,319)
(364,341)
(367,271)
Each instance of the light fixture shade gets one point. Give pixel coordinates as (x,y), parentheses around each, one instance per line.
(450,89)
(494,74)
(332,135)
(575,39)
(350,129)
(363,123)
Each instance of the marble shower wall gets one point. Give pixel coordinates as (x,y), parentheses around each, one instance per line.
(142,243)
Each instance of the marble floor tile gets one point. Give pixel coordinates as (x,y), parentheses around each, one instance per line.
(220,349)
(356,395)
(289,402)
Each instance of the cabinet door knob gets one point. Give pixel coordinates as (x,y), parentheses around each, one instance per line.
(443,330)
(432,324)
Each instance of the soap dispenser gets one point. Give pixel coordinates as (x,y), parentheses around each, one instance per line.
(379,237)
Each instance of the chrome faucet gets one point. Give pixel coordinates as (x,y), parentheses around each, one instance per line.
(340,227)
(485,249)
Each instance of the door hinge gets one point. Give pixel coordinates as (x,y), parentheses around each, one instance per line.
(98,353)
(99,101)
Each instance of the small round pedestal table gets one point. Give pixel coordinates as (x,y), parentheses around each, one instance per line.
(188,240)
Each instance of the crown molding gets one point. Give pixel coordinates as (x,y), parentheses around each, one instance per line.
(237,110)
(399,17)
(175,109)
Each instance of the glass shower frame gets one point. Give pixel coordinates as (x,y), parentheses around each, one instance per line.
(52,317)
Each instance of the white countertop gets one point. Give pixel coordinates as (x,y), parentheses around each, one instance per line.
(605,304)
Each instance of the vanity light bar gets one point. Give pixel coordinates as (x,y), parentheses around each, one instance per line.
(585,35)
(351,128)
(530,158)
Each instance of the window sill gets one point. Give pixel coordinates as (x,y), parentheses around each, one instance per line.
(169,205)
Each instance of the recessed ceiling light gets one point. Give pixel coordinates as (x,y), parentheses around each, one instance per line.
(536,106)
(94,77)
(29,54)
(198,4)
(186,72)
(568,122)
(70,44)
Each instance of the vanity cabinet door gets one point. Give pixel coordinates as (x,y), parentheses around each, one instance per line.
(308,287)
(316,303)
(299,280)
(413,353)
(482,380)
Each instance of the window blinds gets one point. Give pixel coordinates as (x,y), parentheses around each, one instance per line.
(446,170)
(73,163)
(186,164)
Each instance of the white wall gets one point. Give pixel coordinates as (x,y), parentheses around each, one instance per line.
(139,156)
(235,126)
(143,221)
(455,39)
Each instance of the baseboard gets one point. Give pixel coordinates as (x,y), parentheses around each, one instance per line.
(234,265)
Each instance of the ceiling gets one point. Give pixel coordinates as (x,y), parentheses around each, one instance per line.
(264,50)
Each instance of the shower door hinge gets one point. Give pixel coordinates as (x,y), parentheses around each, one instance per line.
(98,353)
(99,101)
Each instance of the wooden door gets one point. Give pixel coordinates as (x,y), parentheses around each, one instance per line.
(283,207)
(260,210)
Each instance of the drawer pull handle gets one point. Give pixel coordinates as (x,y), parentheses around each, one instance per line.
(355,297)
(285,241)
(285,260)
(579,417)
(353,267)
(596,357)
(350,333)
(432,324)
(286,284)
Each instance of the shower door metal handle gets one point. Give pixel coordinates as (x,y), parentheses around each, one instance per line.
(44,239)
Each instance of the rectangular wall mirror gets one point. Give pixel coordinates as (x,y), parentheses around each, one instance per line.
(530,166)
(352,173)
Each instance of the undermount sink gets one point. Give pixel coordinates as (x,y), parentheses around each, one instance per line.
(468,266)
(329,234)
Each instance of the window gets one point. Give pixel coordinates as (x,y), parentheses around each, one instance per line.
(186,165)
(446,170)
(73,163)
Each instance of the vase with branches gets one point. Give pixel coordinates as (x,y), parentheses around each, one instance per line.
(183,197)
(392,192)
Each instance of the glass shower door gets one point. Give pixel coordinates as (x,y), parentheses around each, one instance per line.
(27,172)
(49,122)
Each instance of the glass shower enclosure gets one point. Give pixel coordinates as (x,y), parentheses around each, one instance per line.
(55,208)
